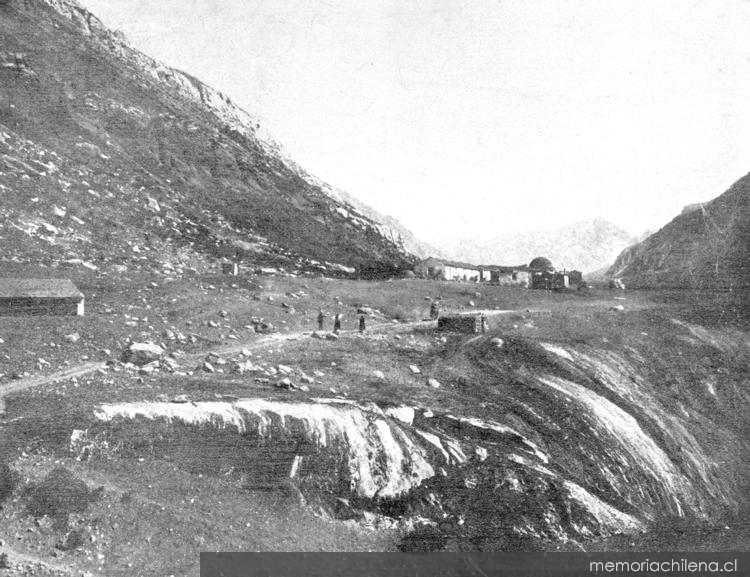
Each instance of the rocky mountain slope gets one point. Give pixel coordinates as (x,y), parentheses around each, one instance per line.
(585,246)
(706,246)
(111,159)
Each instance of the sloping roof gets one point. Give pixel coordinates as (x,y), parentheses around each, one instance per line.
(433,260)
(457,264)
(504,268)
(38,288)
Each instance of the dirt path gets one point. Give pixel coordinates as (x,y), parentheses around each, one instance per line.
(283,338)
(31,382)
(234,348)
(36,563)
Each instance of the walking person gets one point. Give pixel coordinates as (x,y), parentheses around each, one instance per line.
(337,323)
(361,324)
(321,319)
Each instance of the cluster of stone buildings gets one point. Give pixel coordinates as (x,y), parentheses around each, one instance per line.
(538,274)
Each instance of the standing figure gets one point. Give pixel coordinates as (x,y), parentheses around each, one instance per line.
(484,324)
(362,324)
(434,310)
(321,319)
(337,323)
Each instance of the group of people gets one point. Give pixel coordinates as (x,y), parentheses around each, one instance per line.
(337,322)
(434,314)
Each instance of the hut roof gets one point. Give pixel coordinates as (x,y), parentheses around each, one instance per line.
(38,288)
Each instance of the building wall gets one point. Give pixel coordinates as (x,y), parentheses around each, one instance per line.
(460,273)
(510,278)
(23,306)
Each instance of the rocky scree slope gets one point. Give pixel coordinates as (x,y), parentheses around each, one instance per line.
(109,157)
(707,247)
(571,441)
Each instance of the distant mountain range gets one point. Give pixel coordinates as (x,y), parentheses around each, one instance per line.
(586,246)
(110,158)
(706,246)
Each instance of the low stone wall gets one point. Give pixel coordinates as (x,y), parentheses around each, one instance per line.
(468,324)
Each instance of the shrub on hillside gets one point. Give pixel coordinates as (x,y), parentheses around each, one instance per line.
(8,481)
(72,540)
(423,539)
(58,495)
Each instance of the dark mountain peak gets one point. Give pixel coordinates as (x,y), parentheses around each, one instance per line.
(707,246)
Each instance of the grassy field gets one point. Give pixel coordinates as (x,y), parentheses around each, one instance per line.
(153,516)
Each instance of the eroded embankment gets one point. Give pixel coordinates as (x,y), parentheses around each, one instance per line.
(583,442)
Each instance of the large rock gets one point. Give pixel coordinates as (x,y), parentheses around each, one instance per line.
(142,353)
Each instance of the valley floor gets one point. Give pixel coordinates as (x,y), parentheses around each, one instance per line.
(148,505)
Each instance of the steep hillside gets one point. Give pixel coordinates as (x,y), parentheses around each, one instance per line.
(585,246)
(706,246)
(110,158)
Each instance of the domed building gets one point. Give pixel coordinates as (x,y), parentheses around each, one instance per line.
(544,276)
(541,264)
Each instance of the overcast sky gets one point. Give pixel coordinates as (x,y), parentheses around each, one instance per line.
(469,118)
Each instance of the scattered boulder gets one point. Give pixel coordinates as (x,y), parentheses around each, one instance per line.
(215,359)
(168,364)
(265,328)
(72,338)
(153,204)
(403,414)
(367,311)
(285,383)
(149,368)
(332,337)
(617,308)
(379,375)
(498,342)
(142,353)
(434,383)
(207,367)
(415,370)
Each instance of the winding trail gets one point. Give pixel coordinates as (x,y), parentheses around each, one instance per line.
(32,562)
(36,381)
(233,348)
